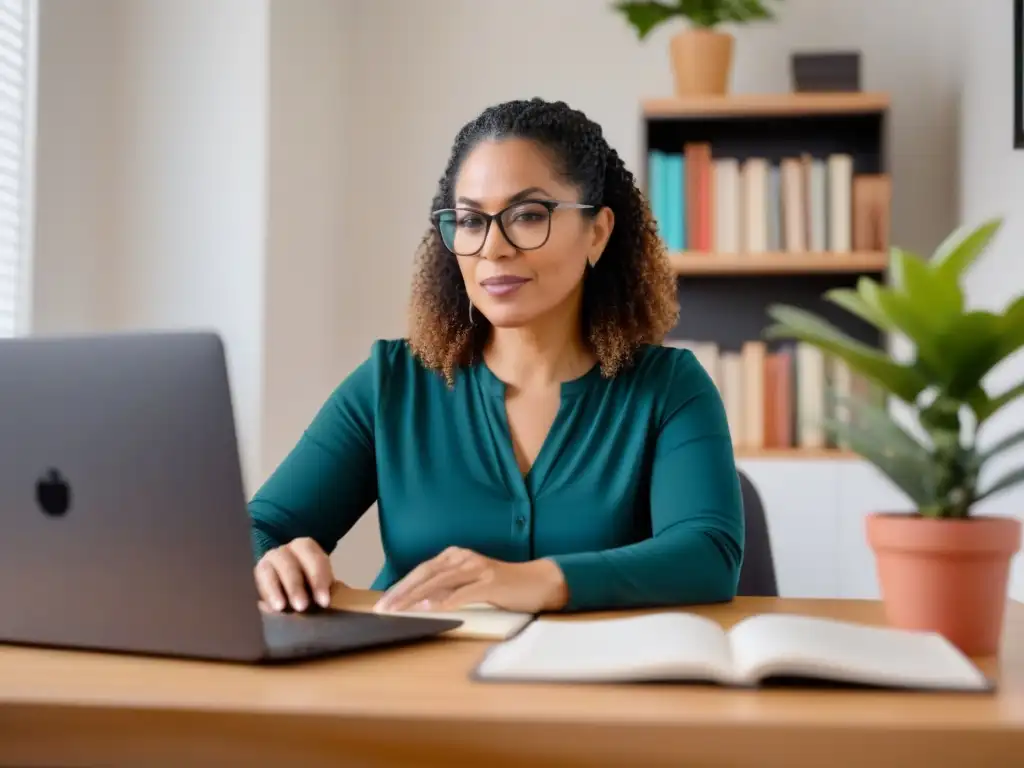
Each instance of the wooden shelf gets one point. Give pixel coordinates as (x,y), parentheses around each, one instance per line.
(697,263)
(765,105)
(796,454)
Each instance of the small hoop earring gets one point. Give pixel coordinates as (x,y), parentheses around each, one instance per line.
(470,311)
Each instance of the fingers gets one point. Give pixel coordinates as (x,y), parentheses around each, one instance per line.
(438,587)
(434,578)
(268,584)
(413,579)
(286,576)
(477,592)
(317,569)
(292,579)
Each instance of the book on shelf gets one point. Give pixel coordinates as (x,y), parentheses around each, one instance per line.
(781,398)
(759,650)
(798,204)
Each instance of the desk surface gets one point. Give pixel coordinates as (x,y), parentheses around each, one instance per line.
(384,707)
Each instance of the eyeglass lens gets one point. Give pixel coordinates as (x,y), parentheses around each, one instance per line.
(526,226)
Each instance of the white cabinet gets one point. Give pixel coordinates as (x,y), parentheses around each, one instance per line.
(800,501)
(862,490)
(815,511)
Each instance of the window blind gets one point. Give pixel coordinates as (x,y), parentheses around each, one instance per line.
(14,79)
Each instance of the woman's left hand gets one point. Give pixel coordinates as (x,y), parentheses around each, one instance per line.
(459,577)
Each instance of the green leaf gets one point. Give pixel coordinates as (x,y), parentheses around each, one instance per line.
(854,302)
(1014,314)
(645,16)
(868,290)
(791,322)
(923,305)
(875,417)
(970,349)
(989,408)
(941,419)
(915,325)
(961,248)
(744,11)
(705,13)
(1007,443)
(1012,329)
(873,433)
(1007,481)
(935,295)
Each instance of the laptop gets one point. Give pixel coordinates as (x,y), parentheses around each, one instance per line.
(123,519)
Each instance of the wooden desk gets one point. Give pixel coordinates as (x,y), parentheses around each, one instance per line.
(416,706)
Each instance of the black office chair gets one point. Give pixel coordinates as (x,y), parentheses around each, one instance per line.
(757,576)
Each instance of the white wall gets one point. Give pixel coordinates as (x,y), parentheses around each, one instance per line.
(76,156)
(191,200)
(150,209)
(316,297)
(288,149)
(992,173)
(306,285)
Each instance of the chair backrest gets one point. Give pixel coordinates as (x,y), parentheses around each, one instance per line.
(757,576)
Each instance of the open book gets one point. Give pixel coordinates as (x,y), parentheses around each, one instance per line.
(479,621)
(760,649)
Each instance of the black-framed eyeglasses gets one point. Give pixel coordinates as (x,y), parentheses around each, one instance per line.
(526,225)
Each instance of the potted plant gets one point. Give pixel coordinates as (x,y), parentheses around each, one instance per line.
(702,54)
(940,567)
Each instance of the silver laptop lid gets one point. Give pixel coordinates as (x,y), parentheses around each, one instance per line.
(122,512)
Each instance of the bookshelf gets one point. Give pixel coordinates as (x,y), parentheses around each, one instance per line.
(763,199)
(769,105)
(778,263)
(789,453)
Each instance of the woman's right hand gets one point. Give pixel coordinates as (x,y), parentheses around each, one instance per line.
(290,574)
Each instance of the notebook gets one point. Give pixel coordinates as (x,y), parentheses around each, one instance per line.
(763,649)
(480,621)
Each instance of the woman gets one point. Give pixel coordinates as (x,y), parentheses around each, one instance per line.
(530,445)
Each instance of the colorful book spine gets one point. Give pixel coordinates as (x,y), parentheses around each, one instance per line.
(800,204)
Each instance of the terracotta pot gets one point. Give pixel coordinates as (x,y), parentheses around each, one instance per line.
(701,62)
(946,576)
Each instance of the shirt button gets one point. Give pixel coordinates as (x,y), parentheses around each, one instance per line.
(520,521)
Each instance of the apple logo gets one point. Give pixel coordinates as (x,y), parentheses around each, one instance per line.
(53,493)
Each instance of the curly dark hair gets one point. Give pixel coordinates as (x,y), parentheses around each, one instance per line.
(629,296)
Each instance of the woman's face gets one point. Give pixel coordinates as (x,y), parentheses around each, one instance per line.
(513,286)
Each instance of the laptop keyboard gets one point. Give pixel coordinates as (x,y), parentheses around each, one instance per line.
(295,633)
(328,631)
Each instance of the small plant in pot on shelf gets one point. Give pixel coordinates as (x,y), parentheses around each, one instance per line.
(702,54)
(941,567)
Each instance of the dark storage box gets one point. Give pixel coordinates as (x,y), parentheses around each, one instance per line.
(826,72)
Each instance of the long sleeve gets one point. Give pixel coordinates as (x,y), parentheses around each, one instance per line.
(696,548)
(328,480)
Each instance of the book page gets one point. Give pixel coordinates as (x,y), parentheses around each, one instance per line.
(826,649)
(661,646)
(479,621)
